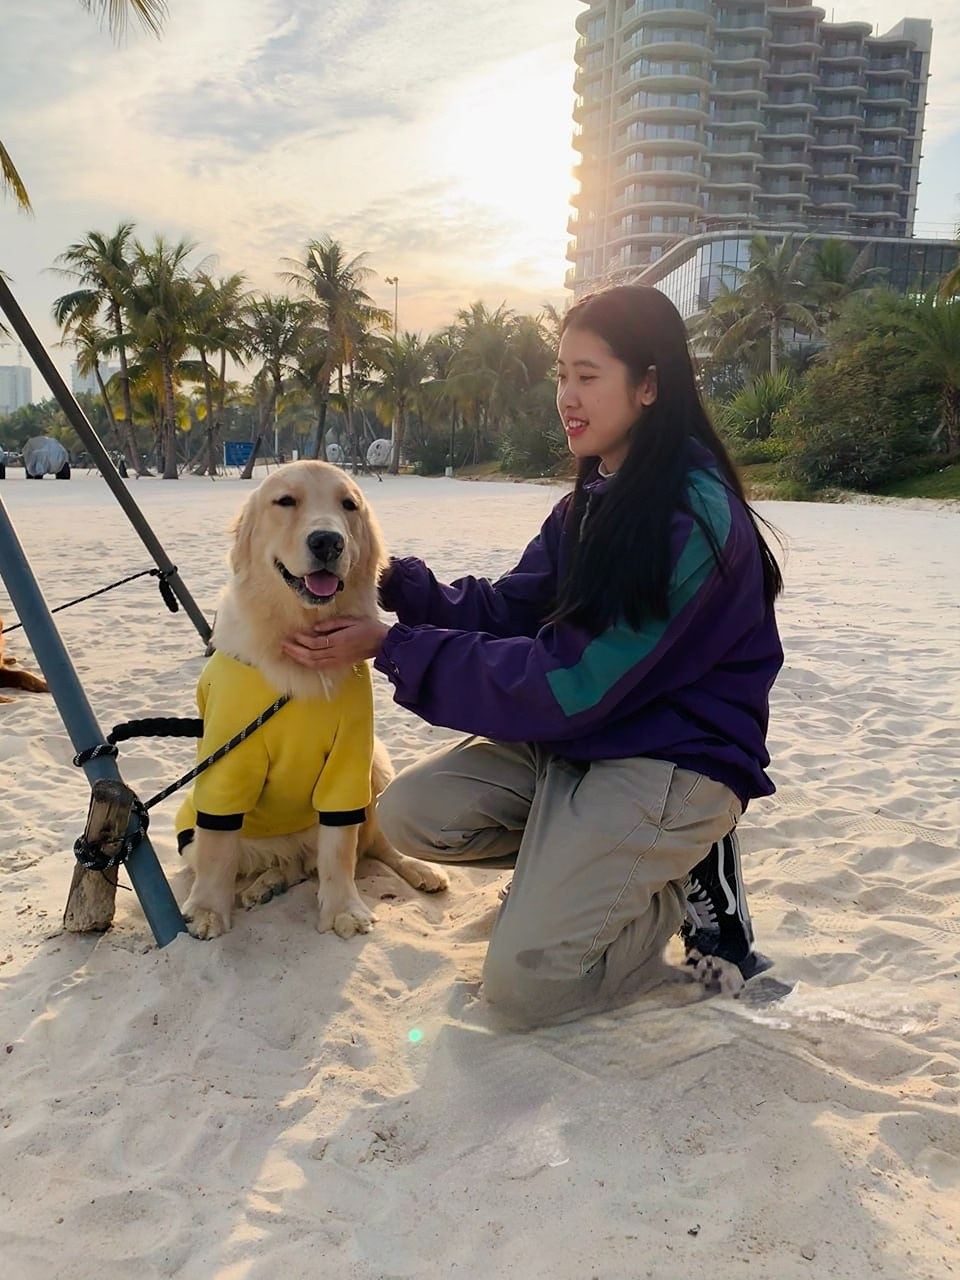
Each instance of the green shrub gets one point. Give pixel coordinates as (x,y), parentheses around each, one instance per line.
(854,426)
(533,442)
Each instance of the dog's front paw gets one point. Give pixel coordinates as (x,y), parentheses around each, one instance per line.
(345,918)
(420,875)
(266,886)
(204,924)
(717,976)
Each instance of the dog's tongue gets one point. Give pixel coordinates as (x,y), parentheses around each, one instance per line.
(322,584)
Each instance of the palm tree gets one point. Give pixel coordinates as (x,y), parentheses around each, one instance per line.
(836,275)
(275,328)
(403,361)
(161,306)
(487,370)
(769,296)
(103,267)
(334,284)
(117,14)
(216,330)
(90,343)
(931,337)
(751,412)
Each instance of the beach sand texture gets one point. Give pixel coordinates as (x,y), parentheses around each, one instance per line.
(280,1103)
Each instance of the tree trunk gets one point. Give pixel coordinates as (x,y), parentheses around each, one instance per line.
(399,431)
(108,407)
(326,373)
(134,460)
(169,424)
(950,416)
(209,464)
(774,346)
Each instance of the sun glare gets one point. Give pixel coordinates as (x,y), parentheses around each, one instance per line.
(504,146)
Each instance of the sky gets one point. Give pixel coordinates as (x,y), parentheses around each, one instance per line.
(434,135)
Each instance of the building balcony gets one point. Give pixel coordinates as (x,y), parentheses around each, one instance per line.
(742,182)
(638,116)
(835,202)
(647,142)
(692,13)
(730,20)
(784,191)
(695,79)
(898,129)
(582,78)
(786,102)
(853,88)
(881,156)
(835,142)
(888,182)
(835,174)
(836,118)
(844,53)
(743,149)
(643,47)
(740,88)
(643,166)
(743,120)
(799,131)
(891,68)
(806,43)
(791,75)
(664,202)
(797,161)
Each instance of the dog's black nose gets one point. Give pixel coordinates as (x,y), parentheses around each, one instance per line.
(325,545)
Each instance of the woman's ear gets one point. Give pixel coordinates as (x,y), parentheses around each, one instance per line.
(646,392)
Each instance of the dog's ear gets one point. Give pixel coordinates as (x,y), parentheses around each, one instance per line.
(374,550)
(242,549)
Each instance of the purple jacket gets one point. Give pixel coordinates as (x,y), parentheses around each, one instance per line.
(692,689)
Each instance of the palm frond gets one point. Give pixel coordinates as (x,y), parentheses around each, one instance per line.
(151,14)
(11,181)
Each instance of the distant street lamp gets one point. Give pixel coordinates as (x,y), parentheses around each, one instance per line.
(395,281)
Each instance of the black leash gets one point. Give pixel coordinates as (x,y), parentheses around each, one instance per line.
(90,856)
(166,592)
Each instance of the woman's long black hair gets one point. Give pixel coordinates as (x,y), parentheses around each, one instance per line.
(621,566)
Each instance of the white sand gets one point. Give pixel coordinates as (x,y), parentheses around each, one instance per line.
(256,1107)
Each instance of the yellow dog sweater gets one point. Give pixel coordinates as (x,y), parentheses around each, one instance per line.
(312,759)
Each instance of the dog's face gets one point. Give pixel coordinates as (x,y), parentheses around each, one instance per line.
(309,526)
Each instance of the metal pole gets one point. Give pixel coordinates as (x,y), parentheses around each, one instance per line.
(146,875)
(78,420)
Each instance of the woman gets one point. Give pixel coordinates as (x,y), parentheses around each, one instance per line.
(616,683)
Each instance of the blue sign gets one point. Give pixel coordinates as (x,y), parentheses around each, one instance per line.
(236,453)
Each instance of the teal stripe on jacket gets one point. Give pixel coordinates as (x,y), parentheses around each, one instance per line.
(611,655)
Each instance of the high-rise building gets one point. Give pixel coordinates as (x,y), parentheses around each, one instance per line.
(86,383)
(703,116)
(15,389)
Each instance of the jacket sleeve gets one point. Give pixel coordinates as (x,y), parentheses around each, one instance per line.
(514,605)
(561,682)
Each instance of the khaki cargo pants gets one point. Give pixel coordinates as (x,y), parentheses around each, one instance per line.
(599,851)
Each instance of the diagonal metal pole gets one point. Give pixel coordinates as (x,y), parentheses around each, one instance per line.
(146,874)
(81,424)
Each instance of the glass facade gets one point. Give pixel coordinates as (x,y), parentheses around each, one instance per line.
(691,274)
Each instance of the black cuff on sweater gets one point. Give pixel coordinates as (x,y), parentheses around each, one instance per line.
(342,817)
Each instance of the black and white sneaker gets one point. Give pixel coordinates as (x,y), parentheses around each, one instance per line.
(718,921)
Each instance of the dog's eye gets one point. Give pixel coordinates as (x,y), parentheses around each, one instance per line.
(348,504)
(288,500)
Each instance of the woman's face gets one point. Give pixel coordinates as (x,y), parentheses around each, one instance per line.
(596,399)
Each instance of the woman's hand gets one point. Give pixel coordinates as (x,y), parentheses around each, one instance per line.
(337,642)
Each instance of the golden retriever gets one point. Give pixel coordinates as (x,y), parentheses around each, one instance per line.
(12,677)
(306,545)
